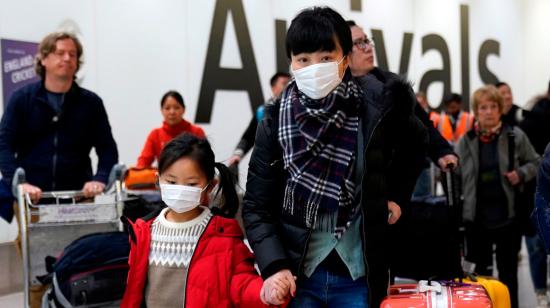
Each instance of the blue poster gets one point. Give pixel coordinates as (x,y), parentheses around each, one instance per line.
(17,66)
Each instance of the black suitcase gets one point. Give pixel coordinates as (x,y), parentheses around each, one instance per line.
(426,242)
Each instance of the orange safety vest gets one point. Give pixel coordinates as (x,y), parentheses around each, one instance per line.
(434,117)
(464,123)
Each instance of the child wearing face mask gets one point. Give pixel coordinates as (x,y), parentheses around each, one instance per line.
(190,255)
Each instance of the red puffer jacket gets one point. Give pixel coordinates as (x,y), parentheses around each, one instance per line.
(221,272)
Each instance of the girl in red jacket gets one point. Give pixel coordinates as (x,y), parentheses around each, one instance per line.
(189,255)
(172,108)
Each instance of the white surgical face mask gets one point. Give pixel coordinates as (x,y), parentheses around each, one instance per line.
(181,198)
(318,80)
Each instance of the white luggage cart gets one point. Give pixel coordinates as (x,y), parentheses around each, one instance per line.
(47,228)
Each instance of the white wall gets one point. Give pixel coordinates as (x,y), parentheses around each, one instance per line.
(137,50)
(535,39)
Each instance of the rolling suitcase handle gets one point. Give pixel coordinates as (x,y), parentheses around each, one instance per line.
(454,201)
(453,194)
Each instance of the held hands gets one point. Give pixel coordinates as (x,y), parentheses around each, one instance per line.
(278,288)
(513,177)
(93,188)
(395,212)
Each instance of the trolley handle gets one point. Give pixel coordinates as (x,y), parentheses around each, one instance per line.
(72,195)
(18,178)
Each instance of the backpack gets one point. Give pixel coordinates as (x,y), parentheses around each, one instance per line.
(90,272)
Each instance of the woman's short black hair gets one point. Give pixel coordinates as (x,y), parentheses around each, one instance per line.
(314,29)
(175,95)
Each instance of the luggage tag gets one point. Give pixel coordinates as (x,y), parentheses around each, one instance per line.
(468,267)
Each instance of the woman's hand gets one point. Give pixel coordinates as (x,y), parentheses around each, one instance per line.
(395,212)
(278,288)
(235,159)
(513,177)
(449,160)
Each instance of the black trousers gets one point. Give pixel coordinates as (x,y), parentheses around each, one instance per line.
(479,250)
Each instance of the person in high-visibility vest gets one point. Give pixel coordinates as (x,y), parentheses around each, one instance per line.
(453,122)
(423,102)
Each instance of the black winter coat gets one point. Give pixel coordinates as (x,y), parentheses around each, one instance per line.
(54,148)
(438,146)
(395,147)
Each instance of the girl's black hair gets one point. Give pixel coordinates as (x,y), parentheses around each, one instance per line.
(175,95)
(199,150)
(315,29)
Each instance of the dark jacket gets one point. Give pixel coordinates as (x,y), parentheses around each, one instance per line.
(438,146)
(541,214)
(515,115)
(395,143)
(537,124)
(247,140)
(54,148)
(543,178)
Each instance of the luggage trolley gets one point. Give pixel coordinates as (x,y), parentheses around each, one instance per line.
(46,229)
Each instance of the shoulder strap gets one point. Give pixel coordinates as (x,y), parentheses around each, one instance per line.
(511,148)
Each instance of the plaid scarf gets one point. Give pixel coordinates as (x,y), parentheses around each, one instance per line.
(319,138)
(487,135)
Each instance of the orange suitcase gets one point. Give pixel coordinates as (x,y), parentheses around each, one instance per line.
(437,295)
(141,178)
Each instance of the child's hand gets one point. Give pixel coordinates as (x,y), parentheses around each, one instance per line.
(278,288)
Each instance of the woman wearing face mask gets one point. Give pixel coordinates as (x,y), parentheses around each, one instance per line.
(188,255)
(328,173)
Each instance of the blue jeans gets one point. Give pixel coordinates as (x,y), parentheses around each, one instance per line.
(325,289)
(537,262)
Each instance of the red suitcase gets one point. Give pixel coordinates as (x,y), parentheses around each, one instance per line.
(437,295)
